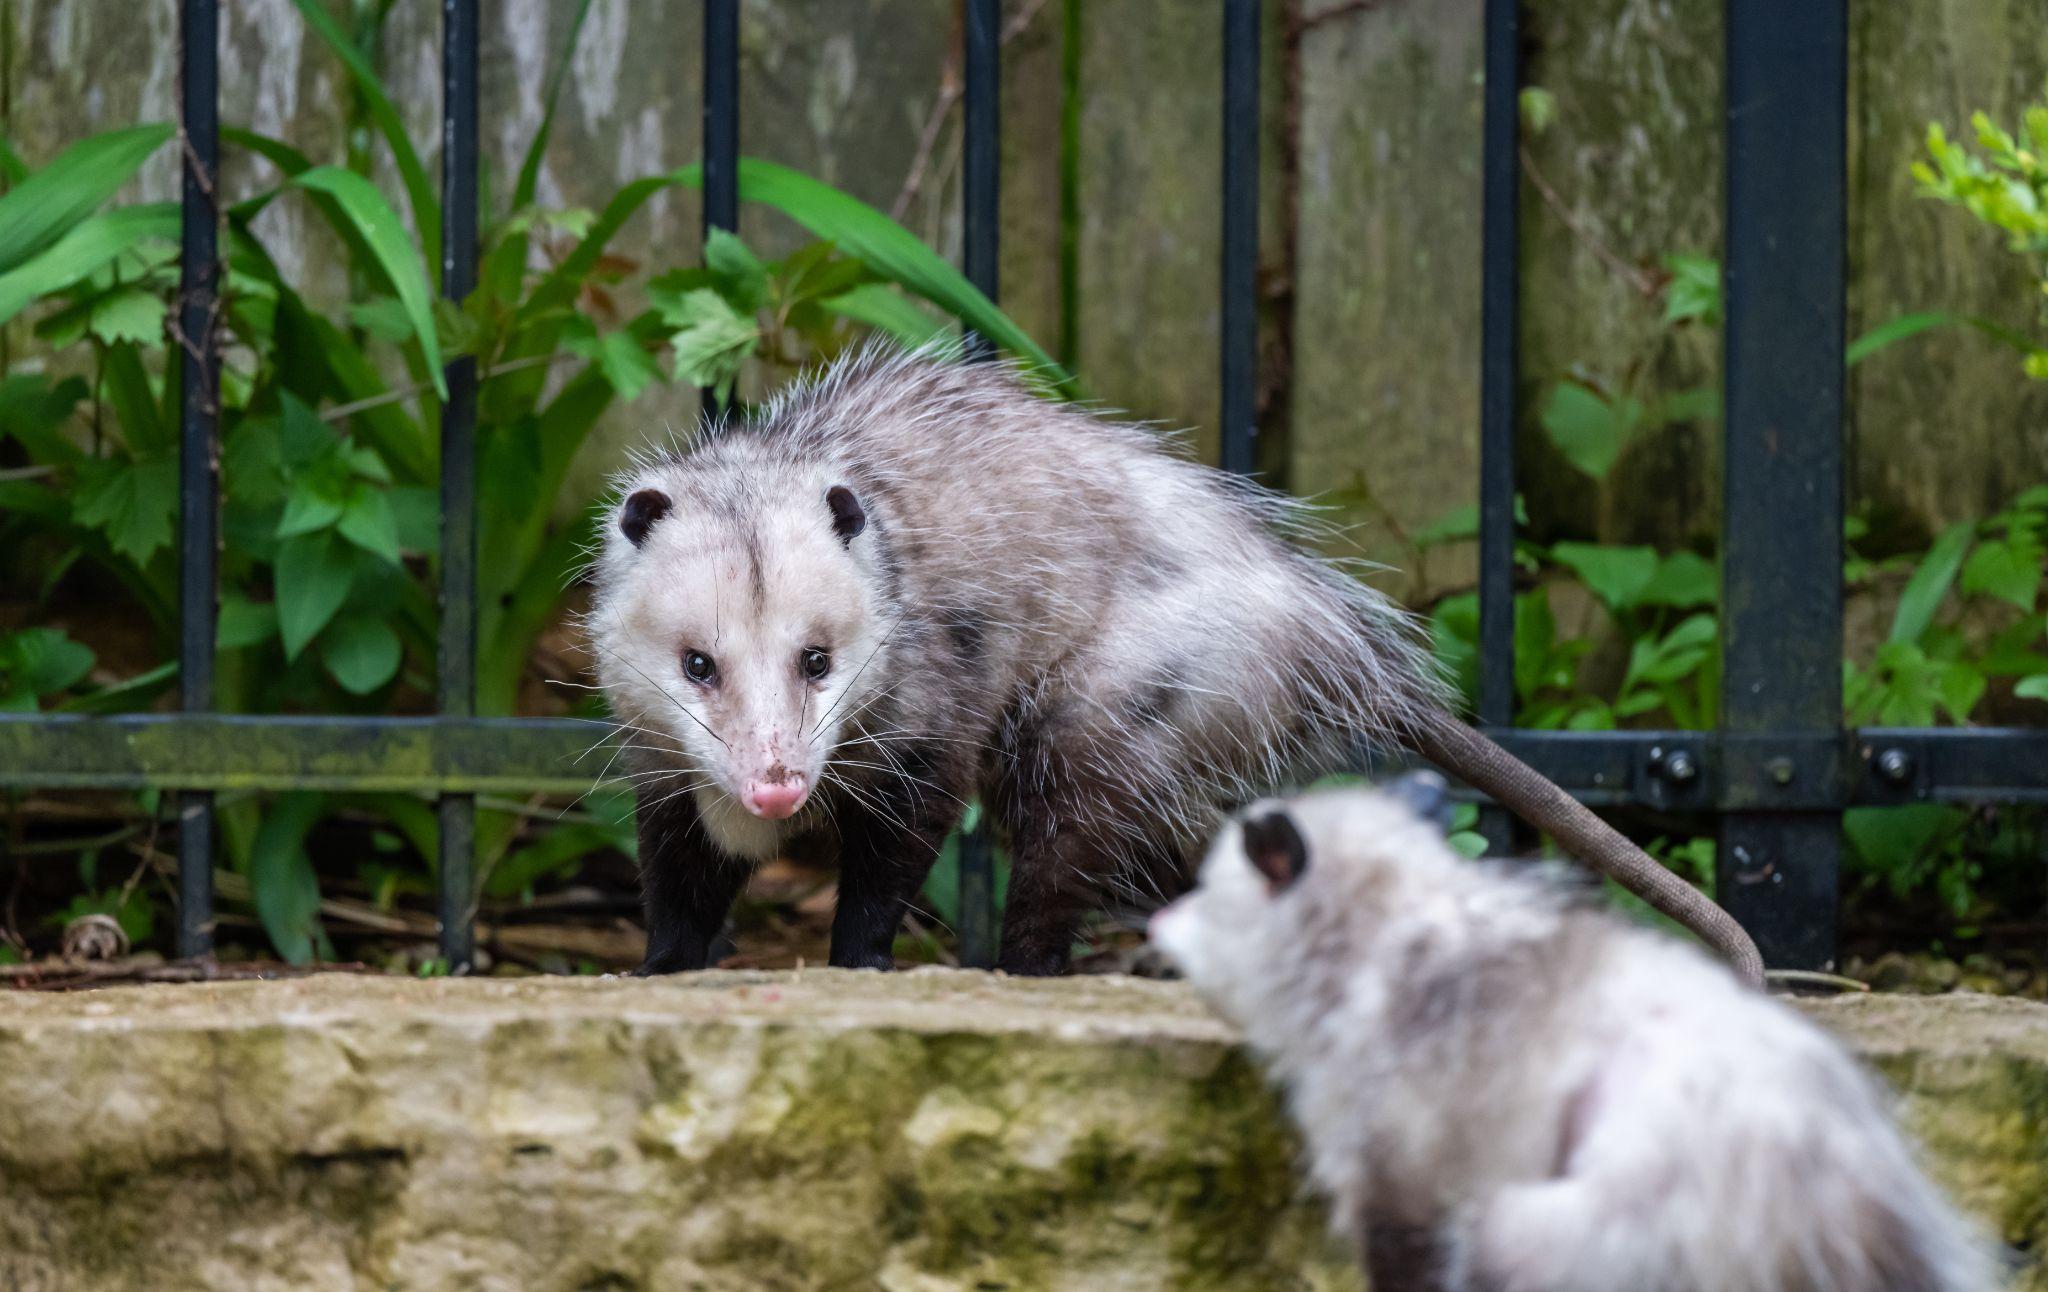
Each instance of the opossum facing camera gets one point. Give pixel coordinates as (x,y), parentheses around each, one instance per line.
(909,582)
(1501,1090)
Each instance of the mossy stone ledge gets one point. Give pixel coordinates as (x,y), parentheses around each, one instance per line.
(928,1130)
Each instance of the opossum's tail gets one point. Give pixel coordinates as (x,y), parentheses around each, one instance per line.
(1484,765)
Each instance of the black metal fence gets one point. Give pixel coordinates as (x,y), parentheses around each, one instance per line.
(1779,770)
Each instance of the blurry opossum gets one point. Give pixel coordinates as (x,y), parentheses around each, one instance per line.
(910,581)
(1505,1092)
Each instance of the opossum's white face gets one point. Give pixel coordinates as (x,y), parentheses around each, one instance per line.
(734,640)
(1253,911)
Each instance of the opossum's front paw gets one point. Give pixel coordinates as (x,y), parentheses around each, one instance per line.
(656,965)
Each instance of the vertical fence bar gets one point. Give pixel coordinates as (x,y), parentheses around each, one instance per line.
(457,670)
(981,191)
(1499,377)
(198,460)
(721,129)
(1787,82)
(1240,233)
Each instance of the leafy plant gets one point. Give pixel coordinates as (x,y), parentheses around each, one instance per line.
(2003,184)
(330,428)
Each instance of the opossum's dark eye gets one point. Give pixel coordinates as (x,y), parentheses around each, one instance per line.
(815,661)
(699,667)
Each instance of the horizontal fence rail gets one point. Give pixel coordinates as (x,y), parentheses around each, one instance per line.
(1677,770)
(1778,773)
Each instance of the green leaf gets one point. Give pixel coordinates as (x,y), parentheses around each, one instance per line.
(712,339)
(314,572)
(133,503)
(2034,687)
(887,310)
(1891,840)
(420,190)
(1683,580)
(35,213)
(1616,575)
(1455,525)
(131,314)
(361,653)
(416,510)
(737,269)
(1897,330)
(369,523)
(1695,289)
(83,250)
(1931,581)
(314,503)
(622,360)
(381,231)
(1586,428)
(1538,108)
(43,661)
(286,890)
(244,622)
(2009,569)
(384,318)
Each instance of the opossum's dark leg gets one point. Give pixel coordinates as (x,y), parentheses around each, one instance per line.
(1057,850)
(884,856)
(1402,1259)
(688,884)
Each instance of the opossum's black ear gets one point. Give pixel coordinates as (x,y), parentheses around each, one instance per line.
(1274,847)
(1425,794)
(847,517)
(642,509)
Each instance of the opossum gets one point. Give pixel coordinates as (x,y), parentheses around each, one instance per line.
(1504,1089)
(907,581)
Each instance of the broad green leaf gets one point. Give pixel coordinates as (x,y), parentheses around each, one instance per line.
(1538,108)
(1682,580)
(618,355)
(368,522)
(361,653)
(378,224)
(1616,575)
(416,510)
(1890,840)
(420,190)
(1898,329)
(886,310)
(34,410)
(244,622)
(41,209)
(737,269)
(134,401)
(133,503)
(1931,581)
(313,572)
(2032,688)
(314,503)
(1586,428)
(83,250)
(712,339)
(2009,569)
(281,877)
(131,314)
(43,661)
(1695,289)
(383,317)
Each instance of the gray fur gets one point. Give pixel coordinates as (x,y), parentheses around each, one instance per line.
(1505,1091)
(1111,643)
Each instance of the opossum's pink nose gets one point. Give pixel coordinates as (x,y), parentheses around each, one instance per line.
(775,800)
